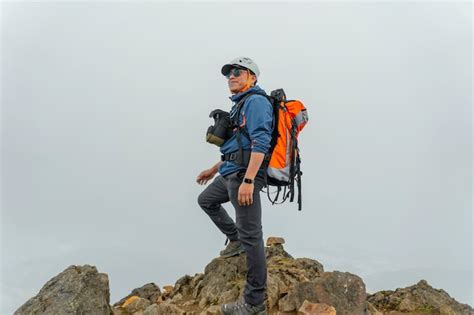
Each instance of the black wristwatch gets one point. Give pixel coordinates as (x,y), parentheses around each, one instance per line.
(248,180)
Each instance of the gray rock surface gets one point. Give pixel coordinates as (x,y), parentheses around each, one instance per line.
(420,298)
(78,290)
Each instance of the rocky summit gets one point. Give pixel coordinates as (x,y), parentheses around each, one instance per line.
(294,286)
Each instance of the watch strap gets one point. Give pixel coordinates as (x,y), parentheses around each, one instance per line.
(248,180)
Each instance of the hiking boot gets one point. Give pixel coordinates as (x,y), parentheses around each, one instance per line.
(240,307)
(232,249)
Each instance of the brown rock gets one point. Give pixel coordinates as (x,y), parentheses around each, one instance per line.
(203,302)
(118,311)
(134,304)
(190,302)
(160,299)
(275,241)
(372,310)
(285,272)
(407,305)
(152,310)
(309,308)
(418,298)
(343,290)
(182,285)
(164,309)
(129,301)
(213,310)
(168,289)
(447,310)
(276,250)
(149,291)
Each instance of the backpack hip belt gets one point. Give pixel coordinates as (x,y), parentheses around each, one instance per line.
(241,159)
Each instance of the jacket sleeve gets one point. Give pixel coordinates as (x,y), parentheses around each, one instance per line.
(259,120)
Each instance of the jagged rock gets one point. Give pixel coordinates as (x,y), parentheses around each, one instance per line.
(181,285)
(190,302)
(76,290)
(284,272)
(167,290)
(213,310)
(165,309)
(118,311)
(152,310)
(224,279)
(309,308)
(272,240)
(134,305)
(343,290)
(177,297)
(149,291)
(372,310)
(276,250)
(416,299)
(203,302)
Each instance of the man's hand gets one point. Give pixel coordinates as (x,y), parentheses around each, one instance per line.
(205,176)
(245,196)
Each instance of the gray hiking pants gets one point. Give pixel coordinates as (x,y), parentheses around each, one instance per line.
(248,227)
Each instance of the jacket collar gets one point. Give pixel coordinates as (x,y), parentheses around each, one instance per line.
(238,97)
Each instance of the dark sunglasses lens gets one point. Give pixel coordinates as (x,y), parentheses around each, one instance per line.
(235,71)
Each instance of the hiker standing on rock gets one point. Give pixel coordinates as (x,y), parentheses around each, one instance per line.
(241,179)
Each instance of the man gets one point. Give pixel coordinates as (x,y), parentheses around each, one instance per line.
(241,184)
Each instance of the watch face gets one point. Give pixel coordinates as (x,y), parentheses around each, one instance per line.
(248,181)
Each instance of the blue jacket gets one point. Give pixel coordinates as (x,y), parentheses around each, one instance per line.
(257,116)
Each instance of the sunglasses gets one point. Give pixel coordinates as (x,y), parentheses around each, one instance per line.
(235,72)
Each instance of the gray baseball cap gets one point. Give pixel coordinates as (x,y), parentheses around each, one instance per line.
(245,62)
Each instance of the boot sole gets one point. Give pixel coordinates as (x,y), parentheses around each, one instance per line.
(240,251)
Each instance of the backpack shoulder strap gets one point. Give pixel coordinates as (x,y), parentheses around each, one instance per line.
(235,121)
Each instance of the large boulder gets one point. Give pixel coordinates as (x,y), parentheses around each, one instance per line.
(420,298)
(76,290)
(342,290)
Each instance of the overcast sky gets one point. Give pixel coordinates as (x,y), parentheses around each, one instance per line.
(105,109)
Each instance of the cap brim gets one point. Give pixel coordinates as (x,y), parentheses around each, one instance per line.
(226,68)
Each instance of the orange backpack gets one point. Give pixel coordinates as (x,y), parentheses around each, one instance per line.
(282,162)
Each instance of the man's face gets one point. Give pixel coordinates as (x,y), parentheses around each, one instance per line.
(238,80)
